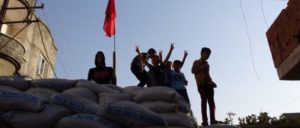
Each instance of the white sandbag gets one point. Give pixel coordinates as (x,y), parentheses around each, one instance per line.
(12,100)
(160,106)
(55,84)
(85,121)
(130,114)
(177,119)
(43,93)
(114,87)
(155,93)
(96,88)
(21,85)
(47,118)
(82,92)
(183,106)
(9,88)
(131,89)
(107,98)
(76,104)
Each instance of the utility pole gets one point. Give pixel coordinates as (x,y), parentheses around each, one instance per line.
(26,6)
(3,12)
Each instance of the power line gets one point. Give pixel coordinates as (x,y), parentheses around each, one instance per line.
(263,13)
(48,58)
(66,39)
(283,105)
(250,41)
(62,53)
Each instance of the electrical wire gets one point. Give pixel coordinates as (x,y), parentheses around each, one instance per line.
(66,39)
(61,52)
(250,41)
(283,105)
(48,58)
(263,13)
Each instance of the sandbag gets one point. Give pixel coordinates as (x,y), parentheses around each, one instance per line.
(55,84)
(114,87)
(47,118)
(155,93)
(12,100)
(107,98)
(96,88)
(82,92)
(76,104)
(160,106)
(21,85)
(183,106)
(85,121)
(3,124)
(177,119)
(131,89)
(43,93)
(9,88)
(130,114)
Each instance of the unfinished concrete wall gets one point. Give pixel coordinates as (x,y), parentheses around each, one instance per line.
(38,43)
(284,39)
(35,39)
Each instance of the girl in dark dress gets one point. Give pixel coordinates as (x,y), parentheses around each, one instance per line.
(101,74)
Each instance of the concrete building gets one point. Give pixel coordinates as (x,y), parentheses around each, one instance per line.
(26,48)
(284,41)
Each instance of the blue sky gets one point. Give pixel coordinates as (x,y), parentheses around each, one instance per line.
(191,25)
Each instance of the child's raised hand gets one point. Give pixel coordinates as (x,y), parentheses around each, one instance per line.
(160,52)
(172,46)
(185,53)
(137,49)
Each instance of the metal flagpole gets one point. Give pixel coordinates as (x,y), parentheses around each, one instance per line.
(114,59)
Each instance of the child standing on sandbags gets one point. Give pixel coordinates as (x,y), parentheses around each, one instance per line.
(138,68)
(178,81)
(205,86)
(101,74)
(157,70)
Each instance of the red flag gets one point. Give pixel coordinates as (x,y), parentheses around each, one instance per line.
(109,23)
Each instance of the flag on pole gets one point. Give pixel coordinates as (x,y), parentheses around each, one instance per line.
(109,23)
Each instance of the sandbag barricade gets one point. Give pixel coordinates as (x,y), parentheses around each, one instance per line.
(56,84)
(156,93)
(82,93)
(130,114)
(96,88)
(13,100)
(43,93)
(61,103)
(107,98)
(76,104)
(160,106)
(21,85)
(85,121)
(177,119)
(47,118)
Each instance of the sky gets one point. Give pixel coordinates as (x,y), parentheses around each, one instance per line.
(240,64)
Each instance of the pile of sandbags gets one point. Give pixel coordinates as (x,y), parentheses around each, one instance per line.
(167,103)
(61,103)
